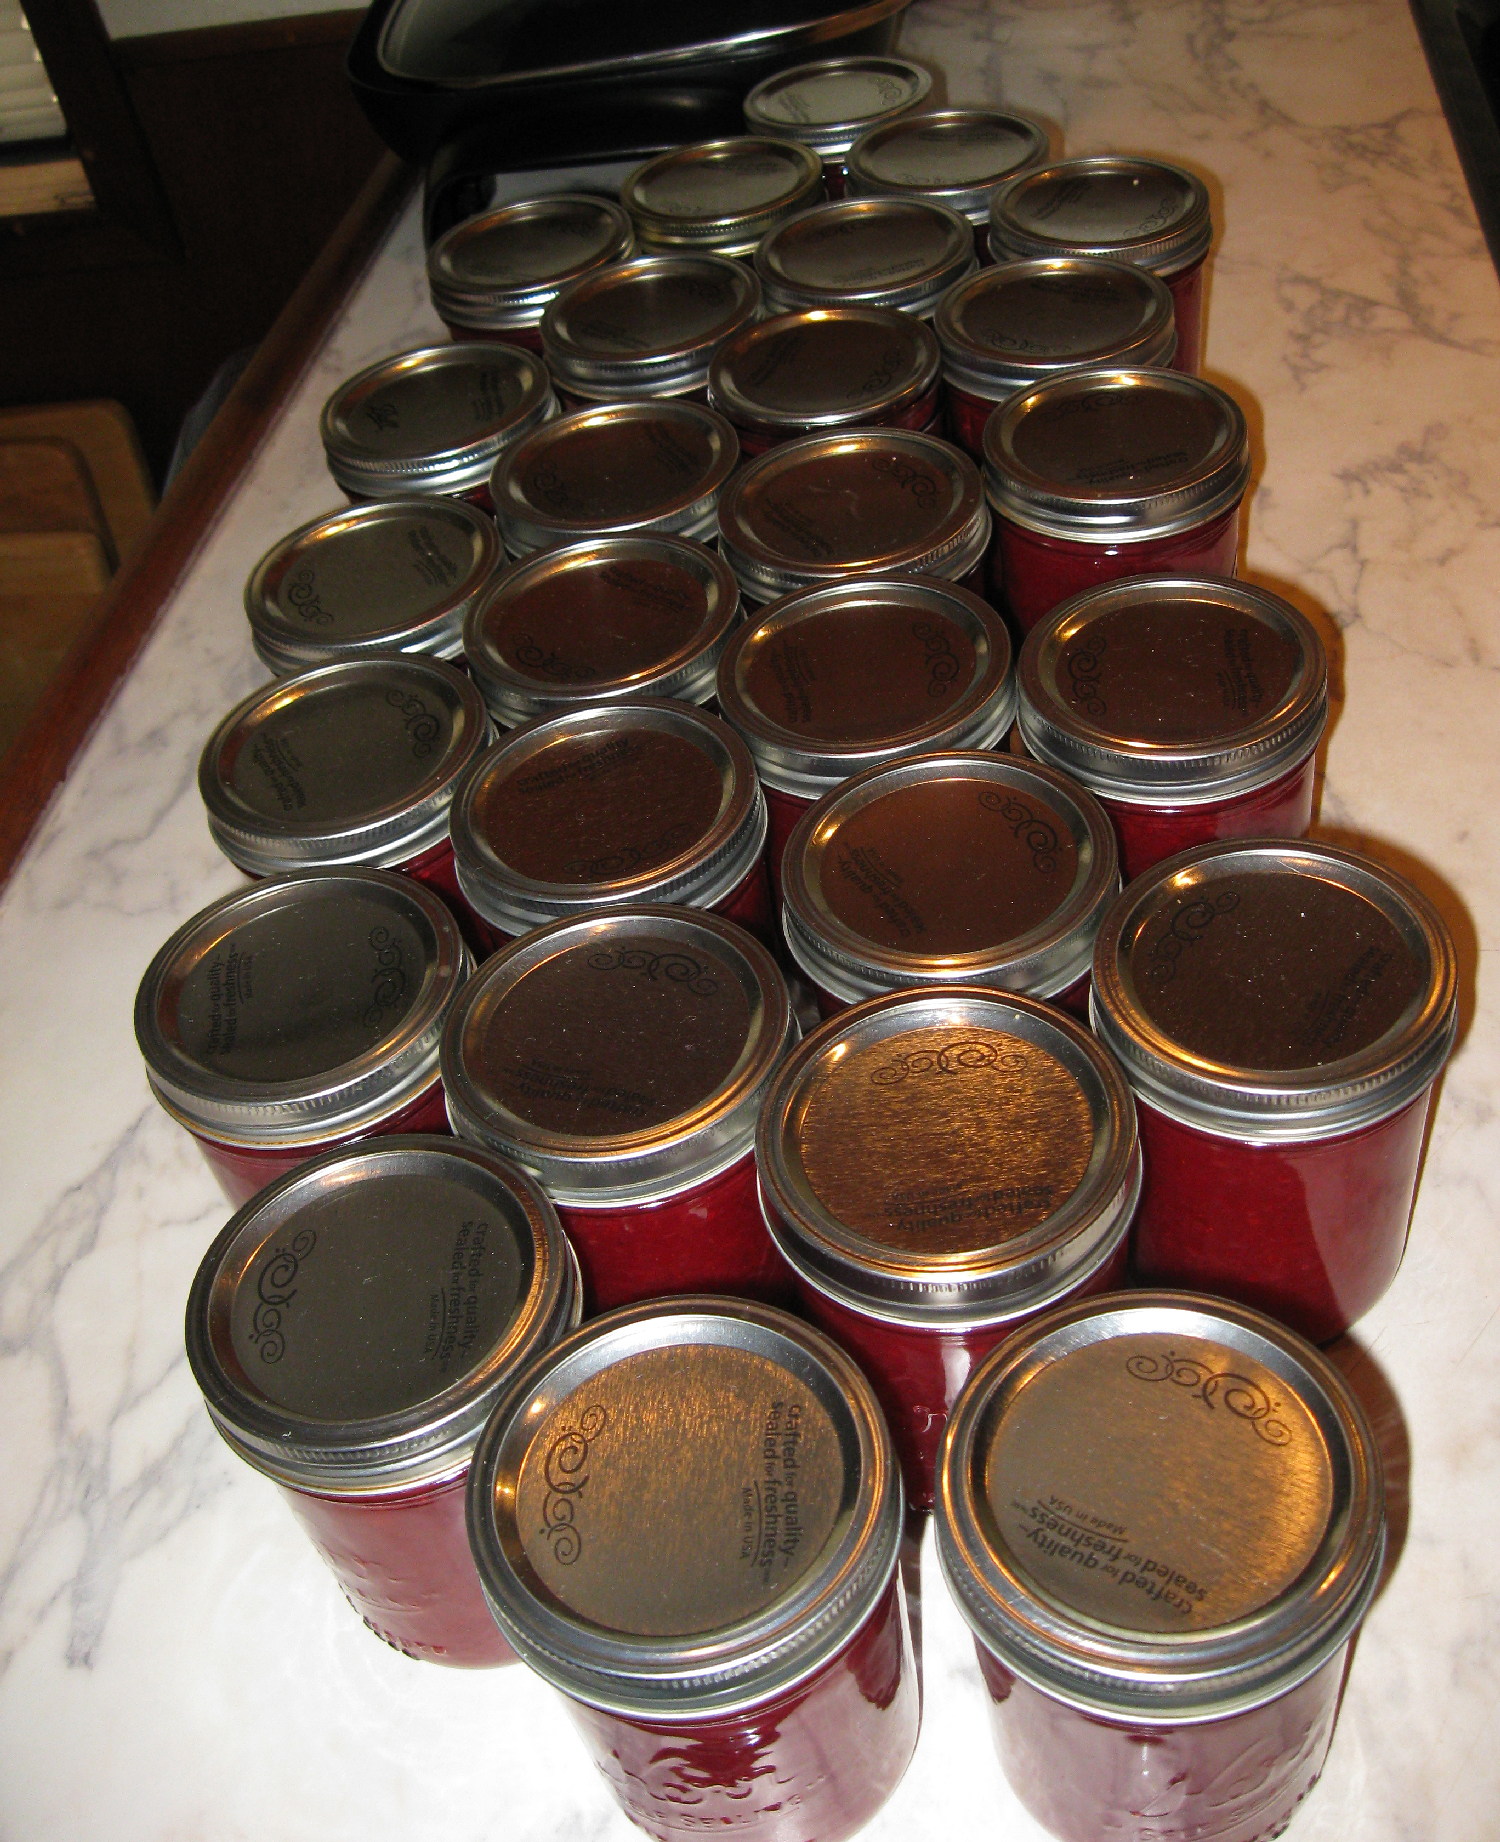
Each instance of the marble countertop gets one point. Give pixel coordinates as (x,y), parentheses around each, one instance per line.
(175,1662)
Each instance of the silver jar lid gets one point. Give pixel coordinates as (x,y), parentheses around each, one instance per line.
(608,472)
(433,420)
(1116,456)
(354,1323)
(303,1007)
(350,763)
(1173,689)
(948,1158)
(1020,323)
(720,195)
(1160,1508)
(501,270)
(828,105)
(647,327)
(955,156)
(694,1406)
(830,681)
(882,887)
(618,617)
(621,1056)
(1276,991)
(638,801)
(867,502)
(395,575)
(1140,211)
(875,252)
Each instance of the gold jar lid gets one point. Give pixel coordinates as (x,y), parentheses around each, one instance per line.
(501,269)
(827,105)
(876,252)
(1117,205)
(720,195)
(956,156)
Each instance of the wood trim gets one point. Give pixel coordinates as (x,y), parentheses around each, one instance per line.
(83,687)
(332,28)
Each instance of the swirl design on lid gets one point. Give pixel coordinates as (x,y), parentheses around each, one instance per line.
(275,1290)
(959,1056)
(1241,1397)
(675,968)
(566,1482)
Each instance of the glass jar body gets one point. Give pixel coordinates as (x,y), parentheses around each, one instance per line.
(435,867)
(1148,833)
(784,813)
(1187,310)
(526,338)
(471,495)
(925,415)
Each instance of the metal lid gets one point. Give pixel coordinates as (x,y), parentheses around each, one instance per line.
(637,801)
(352,1326)
(868,502)
(301,1007)
(1022,322)
(1140,211)
(434,419)
(625,467)
(828,105)
(956,156)
(834,680)
(877,252)
(647,327)
(1272,990)
(949,869)
(1159,1507)
(622,1055)
(950,1157)
(396,575)
(720,195)
(826,369)
(1117,456)
(1170,688)
(774,1519)
(351,763)
(503,268)
(618,617)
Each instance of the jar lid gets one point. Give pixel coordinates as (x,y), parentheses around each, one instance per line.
(882,884)
(1116,455)
(503,268)
(621,1055)
(957,156)
(350,763)
(1021,323)
(1173,688)
(618,617)
(953,1157)
(433,420)
(775,1508)
(353,1325)
(657,466)
(638,801)
(720,195)
(828,105)
(879,252)
(1162,1507)
(824,369)
(1140,211)
(833,680)
(867,502)
(647,327)
(301,1007)
(1276,990)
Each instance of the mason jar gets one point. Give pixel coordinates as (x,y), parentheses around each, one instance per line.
(828,105)
(955,157)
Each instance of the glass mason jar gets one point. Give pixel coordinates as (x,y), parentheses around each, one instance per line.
(449,1262)
(720,196)
(1282,1011)
(901,253)
(828,105)
(746,1666)
(1163,1518)
(954,157)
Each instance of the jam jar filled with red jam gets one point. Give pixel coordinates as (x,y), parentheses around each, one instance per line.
(938,1167)
(824,370)
(1282,1011)
(494,276)
(831,681)
(902,253)
(1163,1518)
(434,420)
(301,1014)
(955,157)
(351,1329)
(623,1057)
(687,1518)
(720,196)
(1190,708)
(828,105)
(1102,474)
(949,869)
(1115,205)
